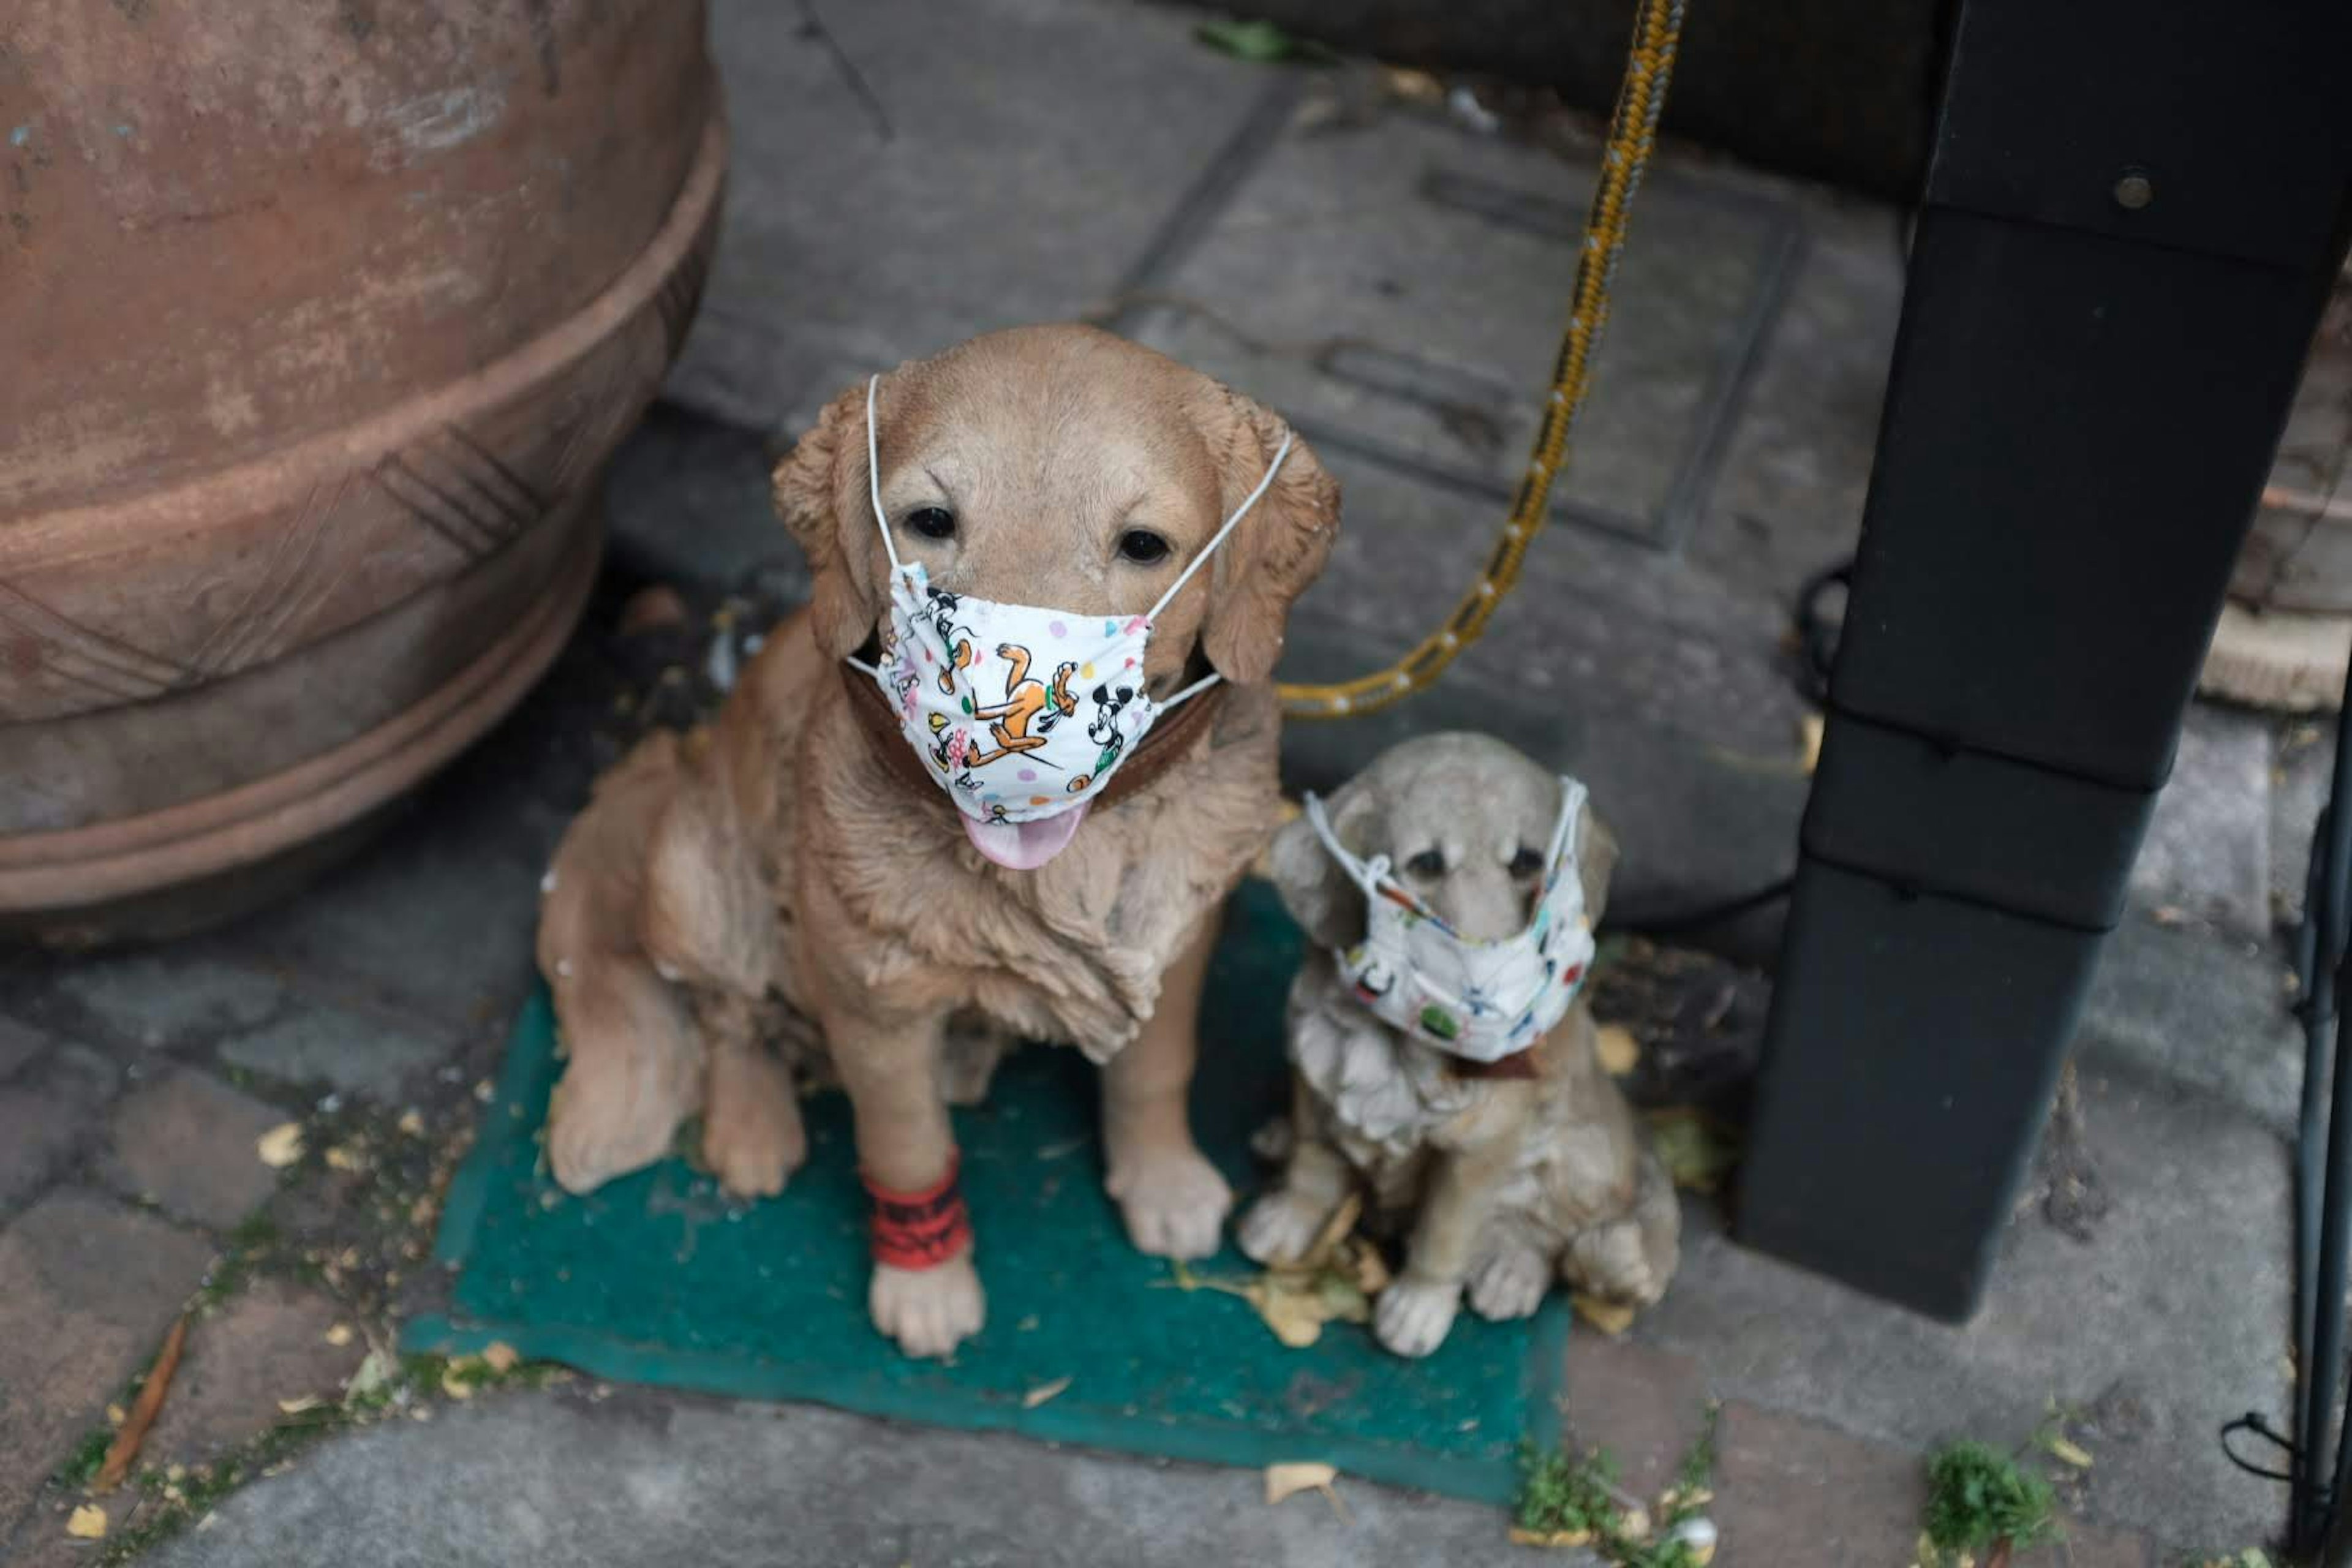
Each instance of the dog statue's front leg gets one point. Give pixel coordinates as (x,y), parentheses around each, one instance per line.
(1416,1310)
(1172,1199)
(925,1293)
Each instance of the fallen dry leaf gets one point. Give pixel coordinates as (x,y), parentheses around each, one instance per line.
(1043,1391)
(1809,740)
(340,1335)
(116,1414)
(1336,1227)
(341,1158)
(281,1146)
(1290,1306)
(1284,1481)
(2070,1453)
(1611,1318)
(500,1356)
(1619,1051)
(1413,86)
(373,1372)
(125,1446)
(412,1122)
(1696,1153)
(88,1523)
(1559,1539)
(296,1407)
(453,1385)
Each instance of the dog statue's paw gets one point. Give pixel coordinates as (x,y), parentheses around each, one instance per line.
(609,1117)
(1413,1316)
(1510,1283)
(1280,1227)
(1173,1201)
(1618,1262)
(752,1138)
(929,1312)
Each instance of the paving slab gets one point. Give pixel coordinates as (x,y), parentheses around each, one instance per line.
(912,175)
(689,501)
(2305,773)
(1790,1490)
(1397,285)
(185,1142)
(49,1118)
(86,1289)
(366,1053)
(1789,499)
(2202,1008)
(262,1349)
(1643,1404)
(19,1044)
(649,1481)
(2208,850)
(2176,1311)
(166,1000)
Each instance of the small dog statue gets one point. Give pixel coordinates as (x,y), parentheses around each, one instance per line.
(1445,1058)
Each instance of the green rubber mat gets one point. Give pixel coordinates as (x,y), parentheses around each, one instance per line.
(658,1278)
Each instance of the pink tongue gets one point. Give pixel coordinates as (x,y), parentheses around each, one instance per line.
(1025,845)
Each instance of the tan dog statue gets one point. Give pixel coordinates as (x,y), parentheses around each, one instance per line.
(1502,1175)
(800,875)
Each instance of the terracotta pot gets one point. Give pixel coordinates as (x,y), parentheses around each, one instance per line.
(318,321)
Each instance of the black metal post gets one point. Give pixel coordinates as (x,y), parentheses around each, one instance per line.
(2134,210)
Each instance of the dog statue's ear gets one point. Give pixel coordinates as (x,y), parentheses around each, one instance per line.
(1315,887)
(1276,551)
(821,493)
(1596,858)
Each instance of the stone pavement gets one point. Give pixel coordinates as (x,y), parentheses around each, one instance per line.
(1391,277)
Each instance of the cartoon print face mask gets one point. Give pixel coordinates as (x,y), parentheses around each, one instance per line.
(1020,713)
(1480,1000)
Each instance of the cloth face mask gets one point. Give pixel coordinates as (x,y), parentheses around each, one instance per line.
(1020,713)
(1478,1000)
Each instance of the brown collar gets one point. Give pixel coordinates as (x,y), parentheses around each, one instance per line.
(1164,745)
(1519,1064)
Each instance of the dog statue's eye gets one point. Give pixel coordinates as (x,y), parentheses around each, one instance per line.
(932,522)
(1142,546)
(1526,863)
(1429,865)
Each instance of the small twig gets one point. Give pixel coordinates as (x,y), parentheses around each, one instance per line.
(849,71)
(125,1446)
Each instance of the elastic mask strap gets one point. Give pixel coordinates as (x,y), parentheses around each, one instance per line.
(873,476)
(1192,690)
(1572,808)
(1365,874)
(1219,538)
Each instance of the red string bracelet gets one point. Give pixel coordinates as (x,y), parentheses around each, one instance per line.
(921,1230)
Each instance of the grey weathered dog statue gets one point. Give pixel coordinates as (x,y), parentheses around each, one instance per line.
(1443,1054)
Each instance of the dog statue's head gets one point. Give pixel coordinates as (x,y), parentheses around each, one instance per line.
(1464,821)
(1064,467)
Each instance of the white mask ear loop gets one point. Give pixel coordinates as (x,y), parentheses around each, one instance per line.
(1185,576)
(873,476)
(873,488)
(1366,874)
(1232,522)
(1571,804)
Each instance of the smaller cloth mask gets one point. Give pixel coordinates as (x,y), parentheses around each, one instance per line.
(1480,1000)
(1022,712)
